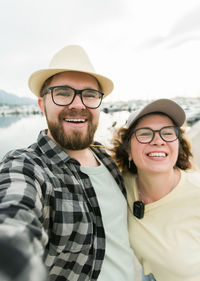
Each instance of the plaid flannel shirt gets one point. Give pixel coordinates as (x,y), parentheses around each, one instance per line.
(49,211)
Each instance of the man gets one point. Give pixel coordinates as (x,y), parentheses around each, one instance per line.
(62,199)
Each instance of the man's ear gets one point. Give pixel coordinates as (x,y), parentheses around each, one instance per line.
(41,104)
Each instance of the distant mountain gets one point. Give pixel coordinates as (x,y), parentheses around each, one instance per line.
(10,99)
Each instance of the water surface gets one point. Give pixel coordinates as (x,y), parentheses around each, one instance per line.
(21,131)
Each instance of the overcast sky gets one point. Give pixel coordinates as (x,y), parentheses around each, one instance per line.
(149,48)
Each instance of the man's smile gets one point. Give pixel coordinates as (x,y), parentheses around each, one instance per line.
(73,120)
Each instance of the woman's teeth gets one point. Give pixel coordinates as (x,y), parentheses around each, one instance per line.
(157,154)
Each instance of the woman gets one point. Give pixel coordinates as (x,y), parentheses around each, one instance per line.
(163,192)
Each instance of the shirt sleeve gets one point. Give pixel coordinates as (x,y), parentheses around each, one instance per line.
(22,237)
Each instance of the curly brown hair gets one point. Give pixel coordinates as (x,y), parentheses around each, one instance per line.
(121,146)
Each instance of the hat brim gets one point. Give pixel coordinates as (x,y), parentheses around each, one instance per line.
(166,106)
(38,78)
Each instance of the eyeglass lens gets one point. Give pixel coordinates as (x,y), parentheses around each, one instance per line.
(146,135)
(65,96)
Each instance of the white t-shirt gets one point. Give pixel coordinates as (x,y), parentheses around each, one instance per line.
(118,264)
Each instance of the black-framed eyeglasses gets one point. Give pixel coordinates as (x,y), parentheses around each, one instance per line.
(65,95)
(146,135)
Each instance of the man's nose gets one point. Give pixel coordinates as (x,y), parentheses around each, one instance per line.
(77,102)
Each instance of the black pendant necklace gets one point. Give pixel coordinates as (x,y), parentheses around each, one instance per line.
(138,209)
(139,206)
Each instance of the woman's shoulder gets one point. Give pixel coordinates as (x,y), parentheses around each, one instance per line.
(192,177)
(129,180)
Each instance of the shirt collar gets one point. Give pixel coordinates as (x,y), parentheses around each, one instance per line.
(52,150)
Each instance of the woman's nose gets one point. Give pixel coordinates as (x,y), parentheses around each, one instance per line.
(157,140)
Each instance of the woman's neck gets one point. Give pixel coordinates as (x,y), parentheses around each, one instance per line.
(153,187)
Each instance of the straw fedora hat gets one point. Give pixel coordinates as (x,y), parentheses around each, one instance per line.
(70,58)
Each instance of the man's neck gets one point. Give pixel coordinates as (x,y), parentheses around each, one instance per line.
(85,157)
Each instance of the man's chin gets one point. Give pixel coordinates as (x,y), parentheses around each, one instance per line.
(73,140)
(79,143)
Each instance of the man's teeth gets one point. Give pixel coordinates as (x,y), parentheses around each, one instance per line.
(75,120)
(157,154)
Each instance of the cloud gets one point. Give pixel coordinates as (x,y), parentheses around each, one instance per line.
(185,29)
(129,41)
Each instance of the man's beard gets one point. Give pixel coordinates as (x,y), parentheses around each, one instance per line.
(76,140)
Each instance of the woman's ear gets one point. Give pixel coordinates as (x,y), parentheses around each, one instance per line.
(129,154)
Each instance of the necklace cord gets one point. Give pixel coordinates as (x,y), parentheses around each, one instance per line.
(141,195)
